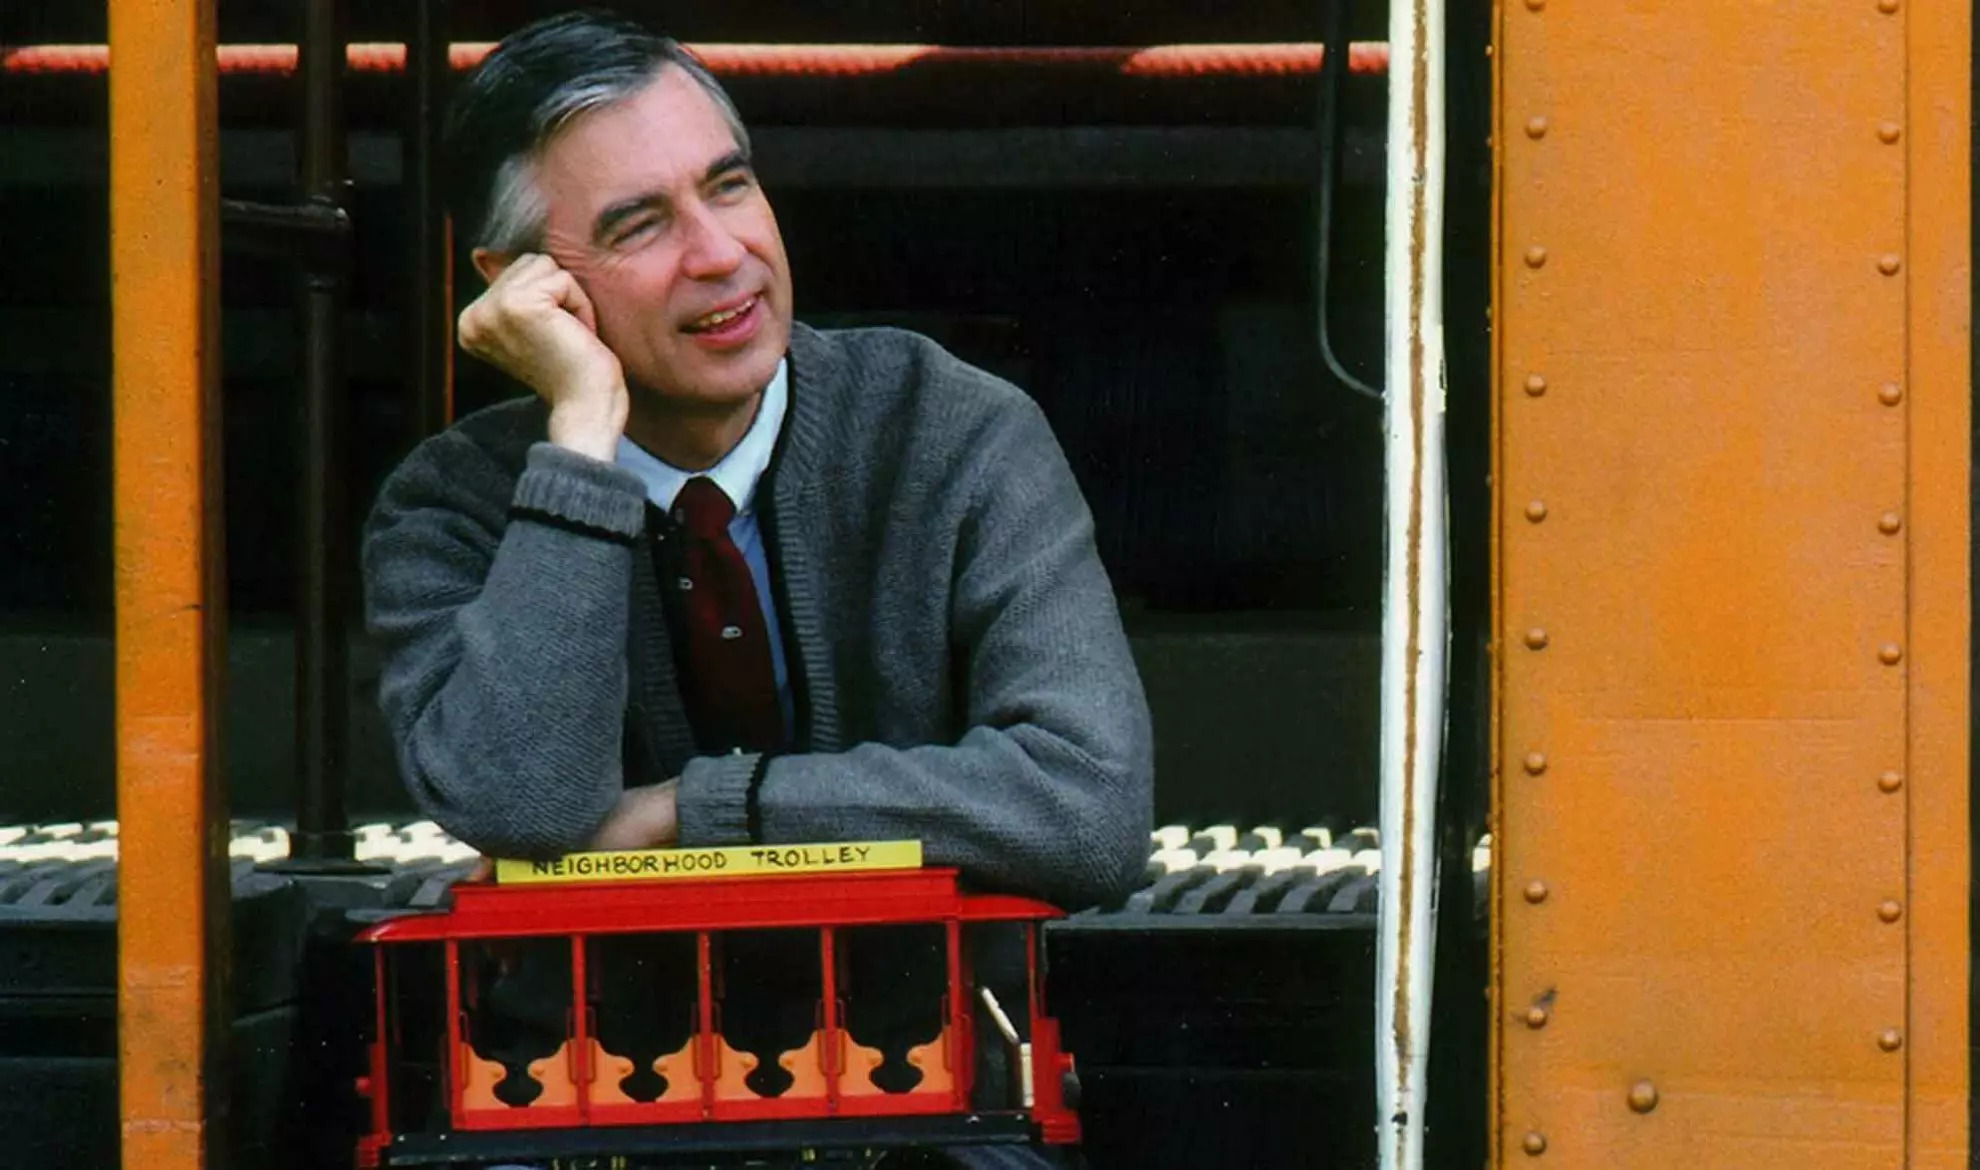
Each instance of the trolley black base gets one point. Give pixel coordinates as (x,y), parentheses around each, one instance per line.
(710,1143)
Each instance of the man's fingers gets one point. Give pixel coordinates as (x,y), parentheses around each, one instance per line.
(533,275)
(571,299)
(535,323)
(643,818)
(524,267)
(530,284)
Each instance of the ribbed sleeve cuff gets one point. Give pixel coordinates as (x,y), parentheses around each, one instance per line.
(714,800)
(577,491)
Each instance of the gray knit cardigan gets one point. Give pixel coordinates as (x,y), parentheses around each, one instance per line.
(957,659)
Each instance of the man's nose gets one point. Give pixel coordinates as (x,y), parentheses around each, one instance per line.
(713,251)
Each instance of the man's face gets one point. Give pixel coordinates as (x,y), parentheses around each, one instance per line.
(655,211)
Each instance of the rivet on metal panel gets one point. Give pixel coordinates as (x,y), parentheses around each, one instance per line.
(1889,263)
(1536,256)
(1536,127)
(1889,523)
(1535,763)
(1890,654)
(1643,1096)
(1887,6)
(1536,511)
(1890,1040)
(1890,911)
(1536,1017)
(1890,394)
(1535,385)
(1536,639)
(1534,1143)
(1889,132)
(1890,782)
(1536,892)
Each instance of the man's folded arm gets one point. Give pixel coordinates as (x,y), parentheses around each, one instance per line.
(503,632)
(1049,788)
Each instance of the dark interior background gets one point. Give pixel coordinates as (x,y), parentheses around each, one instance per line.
(1147,273)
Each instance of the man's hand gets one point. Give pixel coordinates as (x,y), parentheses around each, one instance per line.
(645,818)
(535,324)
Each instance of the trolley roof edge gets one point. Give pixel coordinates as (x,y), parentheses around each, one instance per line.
(875,898)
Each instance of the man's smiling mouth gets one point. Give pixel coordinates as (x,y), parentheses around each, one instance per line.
(721,317)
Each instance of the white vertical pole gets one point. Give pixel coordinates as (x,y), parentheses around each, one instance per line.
(1414,608)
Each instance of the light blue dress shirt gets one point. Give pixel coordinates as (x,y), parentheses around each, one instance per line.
(738,475)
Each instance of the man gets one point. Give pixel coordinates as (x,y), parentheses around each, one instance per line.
(724,578)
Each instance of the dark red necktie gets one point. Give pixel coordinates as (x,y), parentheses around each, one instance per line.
(730,684)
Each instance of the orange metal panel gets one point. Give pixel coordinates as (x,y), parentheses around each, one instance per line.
(1706,656)
(172,886)
(1938,399)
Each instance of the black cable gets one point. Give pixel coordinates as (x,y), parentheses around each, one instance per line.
(1333,77)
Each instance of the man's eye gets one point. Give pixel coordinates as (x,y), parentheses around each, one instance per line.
(636,230)
(733,184)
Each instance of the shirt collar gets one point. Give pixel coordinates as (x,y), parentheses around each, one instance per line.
(738,472)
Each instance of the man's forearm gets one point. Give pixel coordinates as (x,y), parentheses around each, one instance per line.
(1016,809)
(515,746)
(505,676)
(589,428)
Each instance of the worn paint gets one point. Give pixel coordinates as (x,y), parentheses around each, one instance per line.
(1415,617)
(1413,655)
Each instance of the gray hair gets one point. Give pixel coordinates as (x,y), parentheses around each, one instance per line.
(517,210)
(531,87)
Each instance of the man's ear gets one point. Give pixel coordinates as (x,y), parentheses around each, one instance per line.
(490,264)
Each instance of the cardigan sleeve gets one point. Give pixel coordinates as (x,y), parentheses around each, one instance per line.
(500,604)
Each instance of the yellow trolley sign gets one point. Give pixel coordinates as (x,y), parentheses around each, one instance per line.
(644,865)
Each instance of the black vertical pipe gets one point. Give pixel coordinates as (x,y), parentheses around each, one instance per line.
(1335,47)
(429,257)
(322,704)
(1459,1108)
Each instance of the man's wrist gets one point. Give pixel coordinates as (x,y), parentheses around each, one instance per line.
(588,429)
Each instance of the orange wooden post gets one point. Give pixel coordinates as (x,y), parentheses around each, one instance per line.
(172,885)
(1732,416)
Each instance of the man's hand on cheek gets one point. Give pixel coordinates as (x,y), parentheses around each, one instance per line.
(535,324)
(644,818)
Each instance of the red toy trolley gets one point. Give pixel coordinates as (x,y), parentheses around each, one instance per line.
(628,1008)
